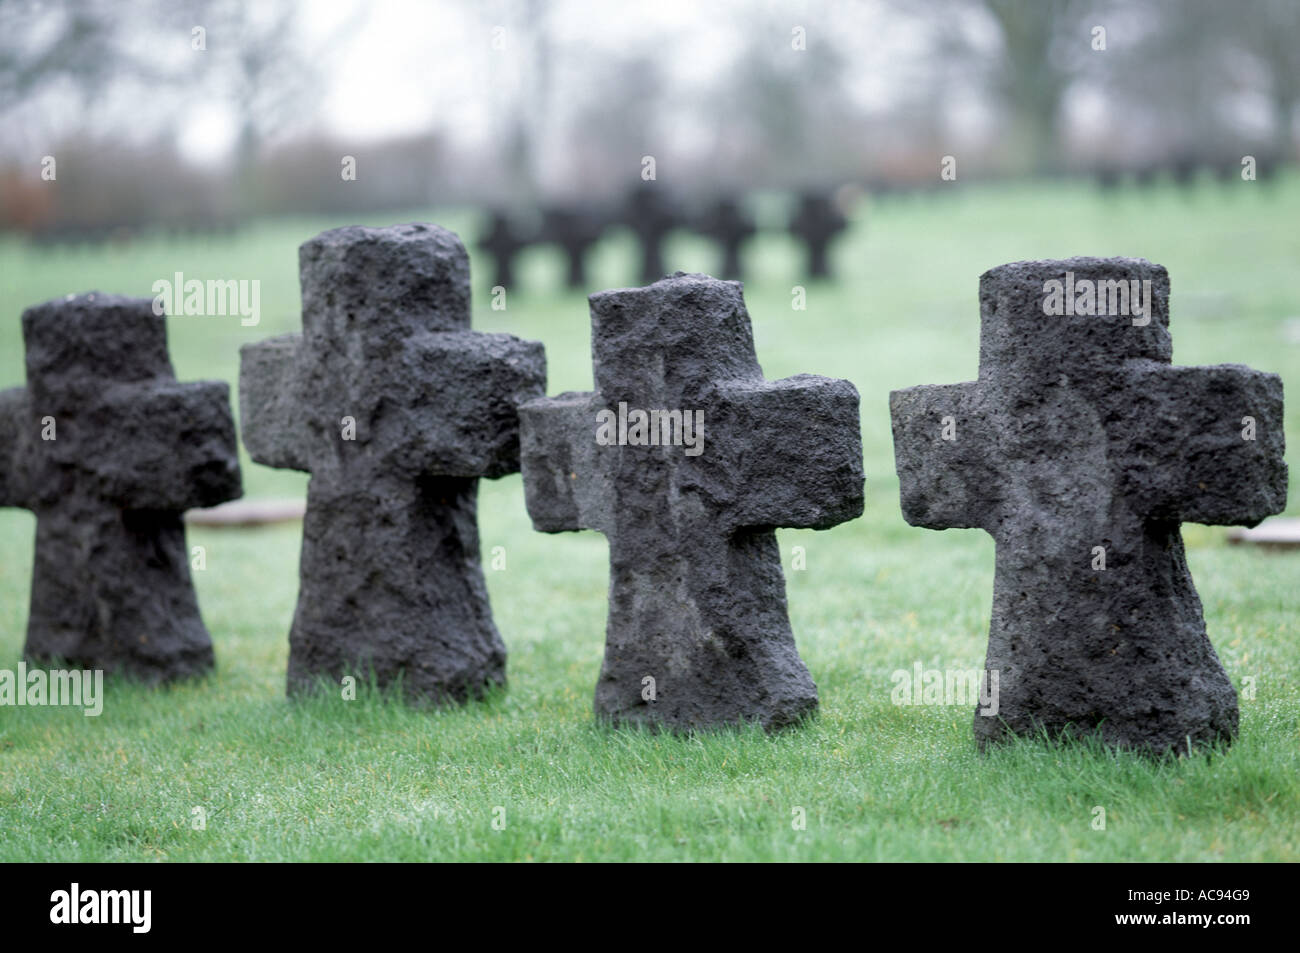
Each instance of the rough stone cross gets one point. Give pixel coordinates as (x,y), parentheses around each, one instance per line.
(108,449)
(698,632)
(817,222)
(1081,449)
(396,408)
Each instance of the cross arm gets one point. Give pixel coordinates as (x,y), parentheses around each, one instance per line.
(1200,444)
(272,415)
(568,477)
(15,446)
(164,444)
(457,413)
(783,453)
(944,450)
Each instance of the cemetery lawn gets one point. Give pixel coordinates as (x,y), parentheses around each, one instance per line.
(326,779)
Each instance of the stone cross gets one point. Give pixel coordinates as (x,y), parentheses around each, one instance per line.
(730,226)
(108,449)
(651,217)
(817,222)
(1081,449)
(575,231)
(396,408)
(503,242)
(687,460)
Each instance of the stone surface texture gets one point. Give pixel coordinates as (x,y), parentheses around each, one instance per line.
(1080,438)
(696,593)
(132,449)
(391,582)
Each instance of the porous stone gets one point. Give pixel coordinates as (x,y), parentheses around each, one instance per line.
(1081,449)
(396,408)
(698,633)
(108,449)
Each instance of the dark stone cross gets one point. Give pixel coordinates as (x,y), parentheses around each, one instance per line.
(1081,449)
(730,226)
(651,217)
(575,231)
(396,408)
(698,632)
(108,449)
(817,222)
(503,242)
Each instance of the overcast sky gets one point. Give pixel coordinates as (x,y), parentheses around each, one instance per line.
(414,64)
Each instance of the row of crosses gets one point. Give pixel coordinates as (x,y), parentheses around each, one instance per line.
(1077,433)
(1185,168)
(816,221)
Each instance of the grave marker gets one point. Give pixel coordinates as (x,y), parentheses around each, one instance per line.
(397,409)
(503,241)
(1081,449)
(698,632)
(575,231)
(817,222)
(730,226)
(651,217)
(108,449)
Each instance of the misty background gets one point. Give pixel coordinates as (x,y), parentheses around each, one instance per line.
(198,116)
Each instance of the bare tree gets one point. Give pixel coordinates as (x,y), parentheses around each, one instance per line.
(1268,31)
(83,44)
(1039,48)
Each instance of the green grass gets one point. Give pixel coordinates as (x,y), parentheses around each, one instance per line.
(325,779)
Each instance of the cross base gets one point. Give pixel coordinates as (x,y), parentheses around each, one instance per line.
(1121,652)
(111,590)
(707,623)
(391,586)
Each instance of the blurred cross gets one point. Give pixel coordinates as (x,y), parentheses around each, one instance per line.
(817,222)
(575,231)
(651,217)
(730,226)
(503,242)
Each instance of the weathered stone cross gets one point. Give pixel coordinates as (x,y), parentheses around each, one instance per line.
(698,632)
(397,409)
(1080,449)
(107,448)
